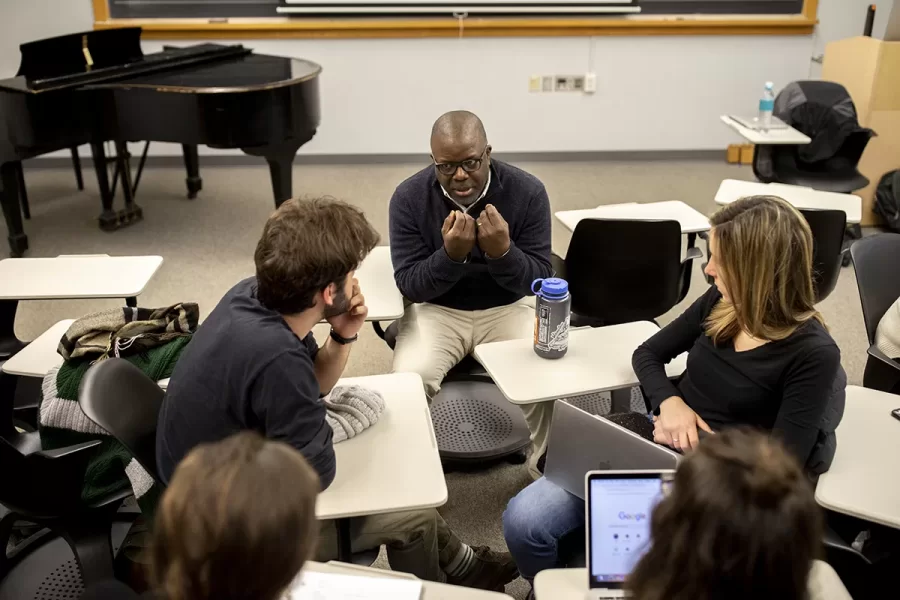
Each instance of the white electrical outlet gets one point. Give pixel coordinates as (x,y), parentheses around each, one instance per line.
(569,83)
(590,83)
(547,83)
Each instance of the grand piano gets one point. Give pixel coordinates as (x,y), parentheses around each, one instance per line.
(98,86)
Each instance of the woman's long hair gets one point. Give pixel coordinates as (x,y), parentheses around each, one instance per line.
(237,522)
(740,523)
(764,252)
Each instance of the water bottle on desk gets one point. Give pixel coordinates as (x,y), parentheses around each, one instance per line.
(551,317)
(766,106)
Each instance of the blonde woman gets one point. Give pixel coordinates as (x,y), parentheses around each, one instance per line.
(759,355)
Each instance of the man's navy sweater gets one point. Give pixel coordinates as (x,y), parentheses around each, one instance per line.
(424,272)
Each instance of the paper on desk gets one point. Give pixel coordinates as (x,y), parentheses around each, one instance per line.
(313,585)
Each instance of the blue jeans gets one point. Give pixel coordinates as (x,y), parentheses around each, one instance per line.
(534,522)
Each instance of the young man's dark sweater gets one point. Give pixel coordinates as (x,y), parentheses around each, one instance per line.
(425,273)
(245,369)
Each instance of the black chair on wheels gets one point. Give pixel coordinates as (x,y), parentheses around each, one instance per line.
(840,173)
(473,420)
(876,260)
(44,487)
(625,271)
(827,228)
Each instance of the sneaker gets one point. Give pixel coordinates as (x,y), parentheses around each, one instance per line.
(489,571)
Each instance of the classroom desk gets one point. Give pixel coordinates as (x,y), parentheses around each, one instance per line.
(376,281)
(691,221)
(40,356)
(800,197)
(773,137)
(431,590)
(391,467)
(68,277)
(598,360)
(862,480)
(561,584)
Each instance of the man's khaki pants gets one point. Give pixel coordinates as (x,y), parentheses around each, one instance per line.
(432,339)
(418,542)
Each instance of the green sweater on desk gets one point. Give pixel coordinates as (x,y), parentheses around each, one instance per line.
(111,467)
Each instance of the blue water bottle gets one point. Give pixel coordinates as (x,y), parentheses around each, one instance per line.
(766,106)
(551,317)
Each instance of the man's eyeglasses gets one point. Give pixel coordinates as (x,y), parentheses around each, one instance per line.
(469,166)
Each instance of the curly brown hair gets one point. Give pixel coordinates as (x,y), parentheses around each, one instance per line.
(740,523)
(237,521)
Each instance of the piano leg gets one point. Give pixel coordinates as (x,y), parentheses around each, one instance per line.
(107,218)
(132,212)
(281,161)
(76,164)
(192,166)
(9,198)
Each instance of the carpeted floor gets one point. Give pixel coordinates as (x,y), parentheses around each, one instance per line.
(208,245)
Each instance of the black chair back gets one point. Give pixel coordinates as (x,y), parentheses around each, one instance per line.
(118,397)
(828,238)
(877,263)
(840,173)
(624,271)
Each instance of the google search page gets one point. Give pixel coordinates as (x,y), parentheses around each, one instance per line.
(620,524)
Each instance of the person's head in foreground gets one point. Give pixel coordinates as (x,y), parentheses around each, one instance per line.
(739,522)
(760,256)
(237,522)
(307,256)
(461,155)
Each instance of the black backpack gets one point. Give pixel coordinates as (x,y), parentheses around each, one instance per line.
(887,199)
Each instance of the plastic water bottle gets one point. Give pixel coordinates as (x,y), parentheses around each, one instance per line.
(551,317)
(766,106)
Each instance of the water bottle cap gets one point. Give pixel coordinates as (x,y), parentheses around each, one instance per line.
(551,287)
(769,85)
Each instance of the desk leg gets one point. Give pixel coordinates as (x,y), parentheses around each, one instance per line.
(345,550)
(7,403)
(621,400)
(131,301)
(9,343)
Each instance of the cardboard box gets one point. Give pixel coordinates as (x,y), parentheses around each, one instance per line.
(870,70)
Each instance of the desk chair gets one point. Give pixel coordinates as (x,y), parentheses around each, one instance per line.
(827,228)
(875,260)
(473,420)
(840,173)
(44,487)
(624,271)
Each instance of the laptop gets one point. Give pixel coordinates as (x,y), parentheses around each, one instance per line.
(580,442)
(617,514)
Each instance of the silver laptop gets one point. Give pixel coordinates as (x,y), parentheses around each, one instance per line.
(580,442)
(617,512)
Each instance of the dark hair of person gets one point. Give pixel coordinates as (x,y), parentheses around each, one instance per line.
(740,523)
(306,246)
(237,522)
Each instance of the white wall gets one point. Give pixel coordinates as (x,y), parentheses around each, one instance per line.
(381,96)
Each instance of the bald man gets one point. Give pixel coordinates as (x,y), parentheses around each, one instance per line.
(468,237)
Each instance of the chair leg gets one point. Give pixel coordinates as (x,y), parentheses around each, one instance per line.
(91,543)
(76,164)
(23,192)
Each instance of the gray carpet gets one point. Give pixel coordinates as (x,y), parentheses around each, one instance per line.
(208,245)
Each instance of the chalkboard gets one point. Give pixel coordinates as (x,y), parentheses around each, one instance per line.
(148,9)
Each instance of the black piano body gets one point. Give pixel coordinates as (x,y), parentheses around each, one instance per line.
(95,87)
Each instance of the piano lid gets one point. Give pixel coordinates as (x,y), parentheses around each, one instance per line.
(92,57)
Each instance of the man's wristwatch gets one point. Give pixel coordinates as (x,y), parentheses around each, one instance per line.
(342,340)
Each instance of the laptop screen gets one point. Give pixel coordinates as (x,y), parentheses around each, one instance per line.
(619,513)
